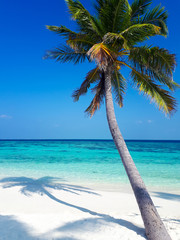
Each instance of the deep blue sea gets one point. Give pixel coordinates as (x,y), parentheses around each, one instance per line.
(91,162)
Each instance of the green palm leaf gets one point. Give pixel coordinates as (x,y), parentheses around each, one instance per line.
(63,31)
(161,97)
(80,43)
(139,33)
(155,57)
(132,35)
(157,16)
(66,54)
(98,98)
(99,5)
(121,15)
(119,86)
(156,62)
(139,7)
(114,15)
(75,40)
(87,23)
(92,76)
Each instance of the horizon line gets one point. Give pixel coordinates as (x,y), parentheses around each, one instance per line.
(82,139)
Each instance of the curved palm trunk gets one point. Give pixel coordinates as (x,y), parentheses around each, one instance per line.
(155,229)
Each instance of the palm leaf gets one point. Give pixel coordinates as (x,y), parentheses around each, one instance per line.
(157,16)
(158,58)
(139,7)
(92,76)
(80,43)
(156,62)
(139,33)
(161,97)
(114,15)
(87,23)
(99,5)
(163,79)
(95,104)
(121,15)
(132,35)
(75,40)
(119,86)
(66,54)
(63,31)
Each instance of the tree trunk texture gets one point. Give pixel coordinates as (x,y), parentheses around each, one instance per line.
(154,227)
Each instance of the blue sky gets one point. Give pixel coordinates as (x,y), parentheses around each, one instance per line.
(35,94)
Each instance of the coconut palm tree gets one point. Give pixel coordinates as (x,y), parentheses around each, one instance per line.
(113,38)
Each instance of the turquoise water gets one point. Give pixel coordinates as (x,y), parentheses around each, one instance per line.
(91,162)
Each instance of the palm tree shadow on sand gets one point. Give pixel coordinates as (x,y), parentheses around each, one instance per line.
(30,186)
(21,231)
(40,185)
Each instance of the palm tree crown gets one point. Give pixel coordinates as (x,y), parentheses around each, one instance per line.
(113,37)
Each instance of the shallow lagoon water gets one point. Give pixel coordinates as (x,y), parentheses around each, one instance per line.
(91,162)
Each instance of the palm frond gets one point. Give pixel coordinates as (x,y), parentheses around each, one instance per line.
(95,104)
(139,7)
(157,16)
(80,43)
(132,35)
(163,79)
(122,15)
(63,31)
(73,39)
(140,32)
(114,15)
(155,92)
(119,86)
(65,54)
(86,22)
(92,76)
(159,58)
(161,97)
(156,62)
(99,4)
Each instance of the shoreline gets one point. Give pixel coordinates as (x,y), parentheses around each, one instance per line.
(125,187)
(46,211)
(110,186)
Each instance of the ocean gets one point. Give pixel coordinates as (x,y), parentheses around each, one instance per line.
(91,162)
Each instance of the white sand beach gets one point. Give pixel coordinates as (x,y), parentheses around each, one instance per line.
(32,211)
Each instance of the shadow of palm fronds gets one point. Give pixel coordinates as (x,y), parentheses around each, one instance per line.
(40,185)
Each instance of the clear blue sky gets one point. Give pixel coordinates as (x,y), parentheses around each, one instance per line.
(35,94)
